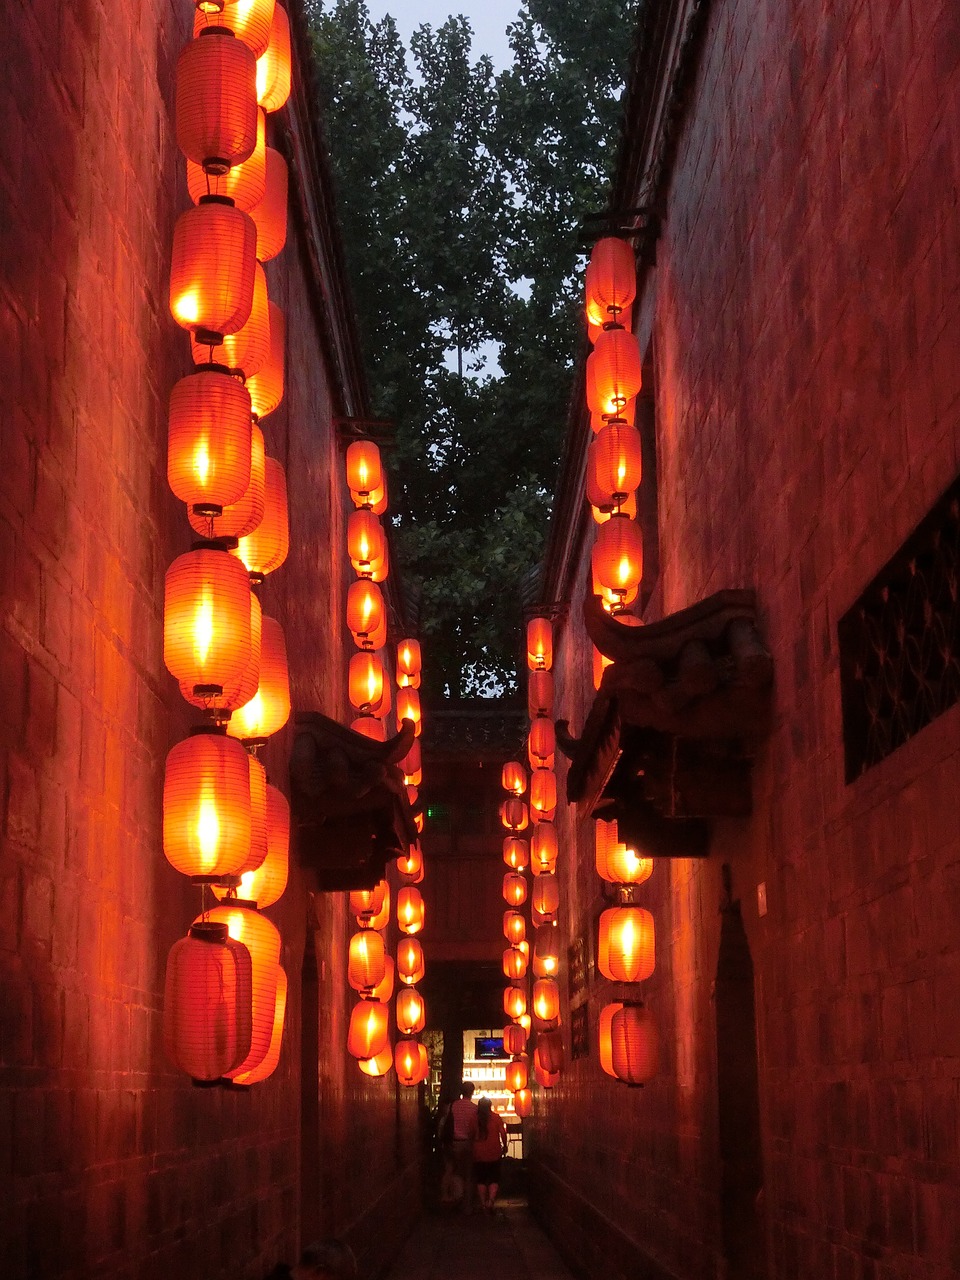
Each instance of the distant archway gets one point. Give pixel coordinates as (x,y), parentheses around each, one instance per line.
(741,1156)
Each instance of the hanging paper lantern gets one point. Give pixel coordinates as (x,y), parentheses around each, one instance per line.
(381,918)
(513,778)
(408,707)
(365,680)
(544,849)
(411,863)
(208,450)
(514,1002)
(244,183)
(247,351)
(411,1012)
(364,469)
(206,806)
(514,963)
(411,1062)
(266,548)
(514,1039)
(270,215)
(617,557)
(546,1002)
(611,279)
(366,904)
(616,862)
(546,897)
(370,727)
(269,709)
(378,1066)
(242,517)
(543,792)
(516,1074)
(546,951)
(269,1063)
(540,694)
(265,885)
(514,927)
(216,102)
(549,1052)
(408,664)
(250,21)
(627,944)
(366,543)
(514,889)
(375,499)
(384,990)
(513,814)
(366,963)
(366,611)
(206,622)
(539,644)
(616,463)
(212,269)
(410,909)
(516,853)
(410,965)
(545,1079)
(367,1034)
(634,1045)
(261,938)
(412,765)
(523,1103)
(613,372)
(542,741)
(235,695)
(605,1045)
(273,66)
(266,385)
(207,1003)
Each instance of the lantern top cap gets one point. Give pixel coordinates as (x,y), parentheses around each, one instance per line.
(215,199)
(209,931)
(215,544)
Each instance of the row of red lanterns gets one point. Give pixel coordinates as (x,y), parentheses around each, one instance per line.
(224,825)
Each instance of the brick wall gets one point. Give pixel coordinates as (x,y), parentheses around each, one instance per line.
(805,322)
(112,1164)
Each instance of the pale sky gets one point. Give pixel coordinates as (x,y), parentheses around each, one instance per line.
(489,20)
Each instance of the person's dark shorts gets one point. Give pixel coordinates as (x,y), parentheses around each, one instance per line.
(486,1172)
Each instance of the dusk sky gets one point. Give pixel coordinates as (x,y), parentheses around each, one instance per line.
(489,20)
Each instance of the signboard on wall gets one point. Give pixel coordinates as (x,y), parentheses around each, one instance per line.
(580,1031)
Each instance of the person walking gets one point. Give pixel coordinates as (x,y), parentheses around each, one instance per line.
(464,1117)
(489,1148)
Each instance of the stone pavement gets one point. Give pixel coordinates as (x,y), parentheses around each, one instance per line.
(479,1247)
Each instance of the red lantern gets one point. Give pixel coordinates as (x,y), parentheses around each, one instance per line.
(269,708)
(546,1002)
(250,21)
(539,644)
(364,470)
(265,549)
(208,451)
(540,695)
(546,951)
(270,215)
(546,898)
(514,889)
(543,793)
(269,1063)
(545,1079)
(367,1036)
(366,611)
(247,351)
(266,385)
(514,1039)
(244,183)
(213,269)
(216,102)
(410,965)
(265,884)
(366,963)
(616,464)
(523,1103)
(245,924)
(613,370)
(273,66)
(411,1011)
(513,815)
(616,862)
(206,622)
(408,663)
(611,281)
(366,544)
(365,680)
(370,727)
(411,865)
(627,944)
(367,904)
(605,1046)
(514,1002)
(514,927)
(384,990)
(542,741)
(410,909)
(412,765)
(516,853)
(207,1003)
(242,517)
(513,778)
(544,849)
(617,557)
(236,695)
(206,807)
(514,963)
(411,1062)
(634,1045)
(378,1065)
(516,1074)
(408,708)
(549,1052)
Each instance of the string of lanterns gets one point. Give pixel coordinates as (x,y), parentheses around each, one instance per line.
(371,972)
(224,825)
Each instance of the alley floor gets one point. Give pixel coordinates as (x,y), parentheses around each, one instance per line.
(479,1246)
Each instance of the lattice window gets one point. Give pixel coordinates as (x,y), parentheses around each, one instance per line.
(900,642)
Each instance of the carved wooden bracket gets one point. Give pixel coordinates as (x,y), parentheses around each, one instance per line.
(668,741)
(349,803)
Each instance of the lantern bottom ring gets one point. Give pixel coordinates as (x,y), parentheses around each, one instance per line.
(208,690)
(216,166)
(206,1084)
(207,509)
(208,337)
(223,882)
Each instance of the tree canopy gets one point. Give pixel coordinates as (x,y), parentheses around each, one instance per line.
(461,190)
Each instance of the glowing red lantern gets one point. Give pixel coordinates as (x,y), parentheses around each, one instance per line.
(516,853)
(606,1049)
(408,663)
(384,990)
(542,741)
(408,707)
(206,806)
(543,792)
(410,965)
(365,680)
(410,909)
(273,66)
(514,1002)
(617,557)
(265,884)
(540,694)
(367,1035)
(513,778)
(548,1054)
(366,962)
(206,622)
(244,183)
(544,849)
(364,469)
(269,708)
(516,1074)
(513,814)
(627,944)
(250,21)
(514,1039)
(266,548)
(514,889)
(613,372)
(546,898)
(259,935)
(411,1062)
(514,963)
(616,862)
(411,864)
(207,1003)
(216,102)
(366,611)
(366,904)
(370,727)
(208,450)
(213,269)
(546,951)
(270,215)
(634,1046)
(523,1103)
(266,385)
(247,351)
(514,927)
(366,543)
(611,280)
(546,1003)
(240,518)
(269,1063)
(616,463)
(378,1065)
(412,765)
(539,644)
(411,1012)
